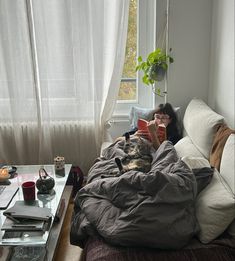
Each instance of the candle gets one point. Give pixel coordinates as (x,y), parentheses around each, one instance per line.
(4,173)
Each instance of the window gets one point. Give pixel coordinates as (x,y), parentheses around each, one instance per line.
(140,41)
(127,91)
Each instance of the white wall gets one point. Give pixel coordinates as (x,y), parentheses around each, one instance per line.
(202,39)
(189,38)
(221,90)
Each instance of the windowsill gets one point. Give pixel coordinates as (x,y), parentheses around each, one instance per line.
(118,115)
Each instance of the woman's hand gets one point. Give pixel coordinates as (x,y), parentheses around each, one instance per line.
(152,128)
(142,133)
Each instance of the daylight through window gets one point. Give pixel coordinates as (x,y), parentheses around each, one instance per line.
(127,91)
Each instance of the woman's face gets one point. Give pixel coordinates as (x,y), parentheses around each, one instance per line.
(162,118)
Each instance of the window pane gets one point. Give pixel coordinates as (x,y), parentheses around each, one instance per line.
(127,89)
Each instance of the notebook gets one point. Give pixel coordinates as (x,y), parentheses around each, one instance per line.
(26,225)
(7,192)
(22,211)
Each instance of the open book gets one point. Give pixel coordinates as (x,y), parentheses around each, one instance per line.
(161,129)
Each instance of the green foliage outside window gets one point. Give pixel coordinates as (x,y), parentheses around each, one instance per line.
(127,90)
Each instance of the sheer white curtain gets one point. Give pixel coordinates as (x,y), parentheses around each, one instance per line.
(60,68)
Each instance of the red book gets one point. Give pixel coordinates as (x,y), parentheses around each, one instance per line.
(161,133)
(161,130)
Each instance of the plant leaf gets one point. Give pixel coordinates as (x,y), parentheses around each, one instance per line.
(140,59)
(159,91)
(137,68)
(145,79)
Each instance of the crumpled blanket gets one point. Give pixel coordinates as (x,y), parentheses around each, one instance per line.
(154,209)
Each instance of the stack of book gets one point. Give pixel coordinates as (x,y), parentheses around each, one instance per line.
(22,217)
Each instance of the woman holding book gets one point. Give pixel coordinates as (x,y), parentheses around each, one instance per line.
(164,126)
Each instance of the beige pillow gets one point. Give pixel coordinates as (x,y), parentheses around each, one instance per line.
(215,207)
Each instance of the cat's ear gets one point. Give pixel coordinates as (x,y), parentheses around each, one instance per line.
(127,136)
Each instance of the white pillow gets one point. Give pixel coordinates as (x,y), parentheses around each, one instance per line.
(196,162)
(215,207)
(201,123)
(227,170)
(185,147)
(227,164)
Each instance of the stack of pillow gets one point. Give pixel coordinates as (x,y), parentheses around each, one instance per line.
(215,205)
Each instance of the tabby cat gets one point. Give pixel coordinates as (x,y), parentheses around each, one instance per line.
(138,157)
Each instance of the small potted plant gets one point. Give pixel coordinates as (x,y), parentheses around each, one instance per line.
(155,66)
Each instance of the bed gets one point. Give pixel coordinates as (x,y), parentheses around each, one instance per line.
(181,210)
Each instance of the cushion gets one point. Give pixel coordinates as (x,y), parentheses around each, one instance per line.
(140,113)
(201,123)
(214,209)
(227,170)
(185,147)
(219,141)
(227,165)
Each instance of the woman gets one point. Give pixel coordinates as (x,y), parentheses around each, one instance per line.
(166,115)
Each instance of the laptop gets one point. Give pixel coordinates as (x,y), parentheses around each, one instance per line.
(7,192)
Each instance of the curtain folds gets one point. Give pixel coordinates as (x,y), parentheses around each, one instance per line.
(66,56)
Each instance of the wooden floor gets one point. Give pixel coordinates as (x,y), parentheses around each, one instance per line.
(65,251)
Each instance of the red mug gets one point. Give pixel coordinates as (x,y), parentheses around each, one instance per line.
(28,189)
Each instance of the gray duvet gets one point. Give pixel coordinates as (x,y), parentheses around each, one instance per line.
(154,209)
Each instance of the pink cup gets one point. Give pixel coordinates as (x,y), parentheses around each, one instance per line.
(28,189)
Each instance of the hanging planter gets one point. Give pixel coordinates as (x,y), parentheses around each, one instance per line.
(156,72)
(155,66)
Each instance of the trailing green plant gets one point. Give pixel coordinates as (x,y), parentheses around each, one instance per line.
(155,66)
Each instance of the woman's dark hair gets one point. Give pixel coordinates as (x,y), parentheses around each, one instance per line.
(173,129)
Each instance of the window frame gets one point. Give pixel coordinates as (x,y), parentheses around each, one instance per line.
(146,41)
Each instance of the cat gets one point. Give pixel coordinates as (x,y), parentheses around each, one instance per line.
(138,156)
